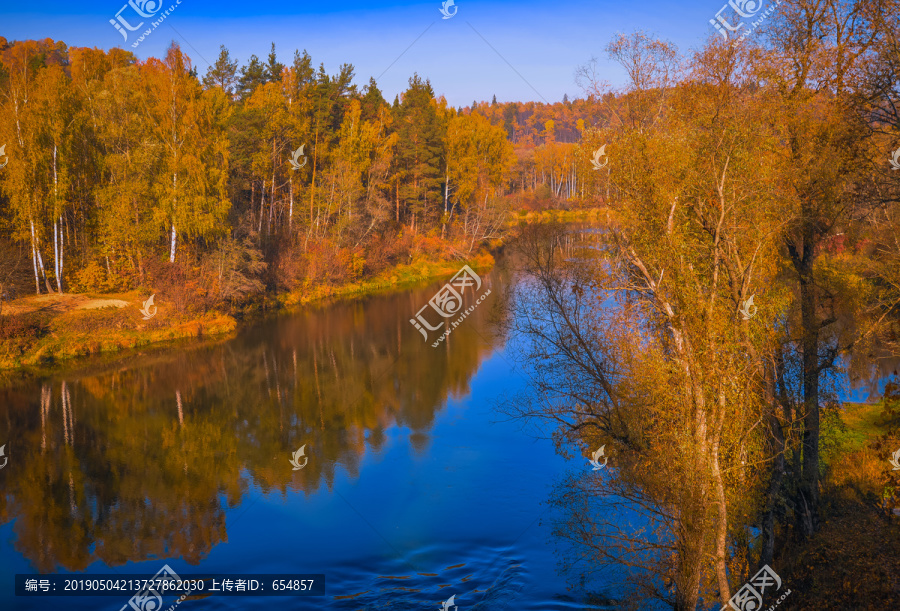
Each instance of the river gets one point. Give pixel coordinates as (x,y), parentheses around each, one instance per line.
(411,486)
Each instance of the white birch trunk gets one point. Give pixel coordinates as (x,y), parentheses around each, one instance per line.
(56,257)
(55,241)
(40,261)
(61,252)
(172,244)
(174,203)
(37,281)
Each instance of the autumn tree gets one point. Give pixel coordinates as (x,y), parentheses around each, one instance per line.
(192,167)
(479,159)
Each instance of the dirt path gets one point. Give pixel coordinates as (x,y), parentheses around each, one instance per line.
(57,304)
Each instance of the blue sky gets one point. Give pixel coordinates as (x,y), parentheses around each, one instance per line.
(544,41)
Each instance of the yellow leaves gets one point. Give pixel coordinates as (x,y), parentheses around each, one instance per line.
(479,156)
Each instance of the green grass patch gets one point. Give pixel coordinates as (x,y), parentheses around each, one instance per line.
(397,277)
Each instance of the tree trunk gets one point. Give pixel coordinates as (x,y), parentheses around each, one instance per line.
(312,184)
(262,205)
(808,503)
(174,202)
(689,569)
(40,263)
(446,195)
(56,265)
(56,257)
(775,393)
(140,263)
(721,525)
(62,251)
(172,244)
(271,205)
(272,199)
(37,280)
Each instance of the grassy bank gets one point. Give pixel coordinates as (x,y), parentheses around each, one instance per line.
(396,277)
(558,216)
(43,330)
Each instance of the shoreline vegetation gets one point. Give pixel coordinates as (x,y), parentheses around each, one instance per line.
(249,188)
(49,329)
(55,328)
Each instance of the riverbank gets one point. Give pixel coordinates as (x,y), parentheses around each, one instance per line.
(559,216)
(853,561)
(47,329)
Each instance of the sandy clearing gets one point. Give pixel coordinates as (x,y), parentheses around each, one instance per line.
(59,303)
(94,304)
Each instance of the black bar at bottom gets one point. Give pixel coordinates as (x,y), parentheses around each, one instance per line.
(170,584)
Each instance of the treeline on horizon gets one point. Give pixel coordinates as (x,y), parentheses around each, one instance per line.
(118,166)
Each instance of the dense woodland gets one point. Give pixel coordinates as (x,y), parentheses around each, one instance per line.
(117,166)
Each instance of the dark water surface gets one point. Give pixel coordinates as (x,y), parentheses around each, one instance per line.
(415,488)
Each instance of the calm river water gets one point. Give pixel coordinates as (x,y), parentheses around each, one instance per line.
(413,487)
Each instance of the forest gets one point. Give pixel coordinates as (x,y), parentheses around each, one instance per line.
(117,166)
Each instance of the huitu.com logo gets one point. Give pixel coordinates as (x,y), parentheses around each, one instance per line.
(295,156)
(895,159)
(140,9)
(748,310)
(448,604)
(445,9)
(895,460)
(3,455)
(595,458)
(600,152)
(448,302)
(744,9)
(3,154)
(150,599)
(750,596)
(296,456)
(147,311)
